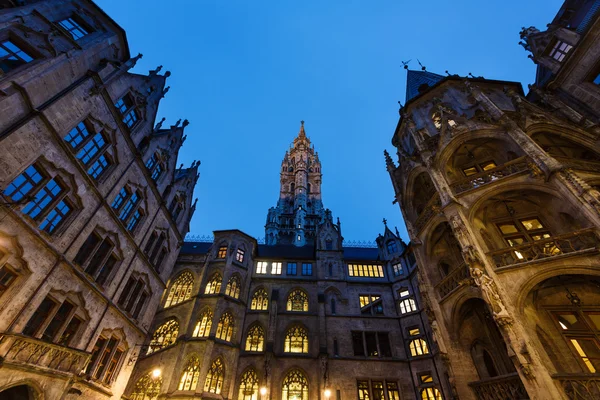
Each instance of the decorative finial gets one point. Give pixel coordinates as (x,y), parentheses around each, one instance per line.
(385,222)
(185,123)
(448,73)
(405,64)
(397,233)
(302,122)
(423,68)
(159,124)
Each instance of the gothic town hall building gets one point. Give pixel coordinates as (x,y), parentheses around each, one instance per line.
(496,297)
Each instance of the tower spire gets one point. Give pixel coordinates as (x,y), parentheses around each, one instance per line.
(302,133)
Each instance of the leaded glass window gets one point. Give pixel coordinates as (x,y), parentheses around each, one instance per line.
(260,300)
(126,107)
(204,324)
(249,386)
(295,386)
(225,327)
(296,340)
(214,377)
(181,290)
(147,388)
(214,284)
(165,335)
(73,28)
(431,394)
(255,338)
(233,287)
(297,301)
(191,375)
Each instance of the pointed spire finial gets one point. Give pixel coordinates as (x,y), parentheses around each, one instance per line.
(397,233)
(385,222)
(302,133)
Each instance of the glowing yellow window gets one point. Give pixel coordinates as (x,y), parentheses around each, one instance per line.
(488,165)
(470,171)
(532,224)
(508,228)
(426,378)
(589,352)
(414,332)
(222,252)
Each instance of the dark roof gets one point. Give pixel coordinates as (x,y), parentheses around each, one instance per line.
(414,80)
(195,247)
(361,253)
(286,251)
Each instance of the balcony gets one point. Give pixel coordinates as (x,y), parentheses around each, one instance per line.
(570,243)
(500,388)
(452,281)
(491,175)
(20,349)
(432,208)
(581,165)
(580,386)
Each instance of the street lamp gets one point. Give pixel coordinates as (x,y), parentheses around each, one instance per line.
(156,373)
(327,394)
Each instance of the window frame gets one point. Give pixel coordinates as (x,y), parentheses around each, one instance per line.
(79,24)
(128,111)
(23,47)
(378,335)
(97,367)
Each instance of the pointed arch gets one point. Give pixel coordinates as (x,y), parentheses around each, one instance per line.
(165,335)
(225,327)
(147,388)
(294,386)
(213,286)
(204,324)
(255,338)
(296,340)
(260,300)
(249,385)
(297,300)
(233,286)
(214,377)
(191,374)
(181,289)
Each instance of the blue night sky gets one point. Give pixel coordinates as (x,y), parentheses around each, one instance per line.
(246,72)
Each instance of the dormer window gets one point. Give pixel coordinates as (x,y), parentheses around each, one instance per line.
(73,28)
(126,107)
(155,166)
(392,246)
(560,50)
(12,56)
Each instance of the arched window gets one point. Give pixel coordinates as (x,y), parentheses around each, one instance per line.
(296,340)
(204,324)
(225,327)
(260,300)
(147,388)
(431,394)
(249,386)
(214,285)
(165,335)
(255,338)
(295,386)
(233,287)
(418,347)
(297,301)
(214,378)
(181,290)
(191,374)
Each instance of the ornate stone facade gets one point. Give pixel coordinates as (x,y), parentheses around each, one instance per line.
(300,322)
(498,191)
(93,209)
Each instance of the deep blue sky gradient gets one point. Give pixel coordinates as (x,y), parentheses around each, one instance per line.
(246,72)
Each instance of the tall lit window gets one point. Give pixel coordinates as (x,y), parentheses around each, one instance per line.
(181,290)
(12,56)
(213,286)
(276,268)
(126,107)
(90,149)
(260,300)
(297,301)
(222,253)
(261,267)
(214,377)
(375,390)
(165,335)
(73,28)
(581,330)
(407,302)
(560,50)
(239,255)
(255,338)
(307,269)
(370,271)
(191,375)
(249,386)
(204,324)
(370,305)
(431,394)
(233,287)
(147,388)
(296,340)
(225,327)
(295,386)
(418,345)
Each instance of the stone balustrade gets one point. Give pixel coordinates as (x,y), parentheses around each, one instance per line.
(578,241)
(21,349)
(491,175)
(432,208)
(581,165)
(500,388)
(452,281)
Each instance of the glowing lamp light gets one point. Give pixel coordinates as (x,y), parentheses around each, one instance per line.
(263,390)
(156,372)
(327,393)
